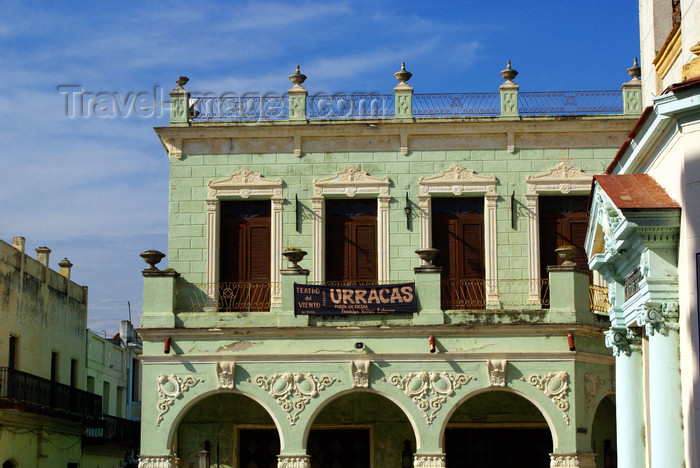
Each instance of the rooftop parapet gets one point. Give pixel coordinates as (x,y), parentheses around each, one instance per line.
(299,106)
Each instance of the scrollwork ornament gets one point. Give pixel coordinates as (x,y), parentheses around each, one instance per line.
(429,390)
(592,384)
(293,391)
(429,461)
(554,385)
(293,461)
(616,339)
(158,461)
(170,388)
(659,317)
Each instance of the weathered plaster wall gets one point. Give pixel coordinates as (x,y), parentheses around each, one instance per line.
(107,363)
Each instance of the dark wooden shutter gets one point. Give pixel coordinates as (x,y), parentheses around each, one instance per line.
(365,251)
(351,240)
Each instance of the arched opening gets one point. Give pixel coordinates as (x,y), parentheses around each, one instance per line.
(360,430)
(9,464)
(604,434)
(234,429)
(497,428)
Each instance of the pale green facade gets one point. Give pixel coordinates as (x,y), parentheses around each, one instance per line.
(226,374)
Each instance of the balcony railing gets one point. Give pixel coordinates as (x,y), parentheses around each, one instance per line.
(599,299)
(240,108)
(36,392)
(570,102)
(350,106)
(466,294)
(115,429)
(456,104)
(241,296)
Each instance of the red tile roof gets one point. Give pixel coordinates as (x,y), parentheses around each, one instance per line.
(635,191)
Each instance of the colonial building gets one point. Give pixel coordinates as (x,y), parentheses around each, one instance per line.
(642,237)
(357,352)
(51,414)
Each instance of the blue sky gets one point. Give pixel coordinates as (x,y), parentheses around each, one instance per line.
(94,188)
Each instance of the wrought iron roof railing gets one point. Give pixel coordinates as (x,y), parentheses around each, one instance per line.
(350,106)
(570,102)
(240,108)
(114,429)
(456,104)
(38,393)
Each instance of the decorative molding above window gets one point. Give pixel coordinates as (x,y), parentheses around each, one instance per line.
(244,184)
(351,182)
(459,181)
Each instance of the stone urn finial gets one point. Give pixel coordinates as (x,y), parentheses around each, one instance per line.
(402,75)
(508,74)
(182,81)
(294,256)
(297,78)
(152,257)
(567,253)
(634,71)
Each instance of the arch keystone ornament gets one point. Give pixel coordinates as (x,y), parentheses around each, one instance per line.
(429,461)
(554,385)
(360,374)
(293,392)
(497,372)
(579,460)
(170,388)
(225,371)
(429,390)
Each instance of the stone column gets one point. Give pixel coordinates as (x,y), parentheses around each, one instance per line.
(428,295)
(403,95)
(297,96)
(509,93)
(665,408)
(632,92)
(293,461)
(491,257)
(383,235)
(180,104)
(533,243)
(433,460)
(629,402)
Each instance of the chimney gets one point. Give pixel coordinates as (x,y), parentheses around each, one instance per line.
(42,255)
(65,266)
(18,243)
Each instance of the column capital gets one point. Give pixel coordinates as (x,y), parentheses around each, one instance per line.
(574,459)
(658,317)
(293,461)
(435,460)
(158,461)
(622,341)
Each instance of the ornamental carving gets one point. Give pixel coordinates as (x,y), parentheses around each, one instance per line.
(351,176)
(658,317)
(564,178)
(244,183)
(592,384)
(293,392)
(457,180)
(158,461)
(554,385)
(293,461)
(171,388)
(578,460)
(497,372)
(429,390)
(621,341)
(429,461)
(360,374)
(224,371)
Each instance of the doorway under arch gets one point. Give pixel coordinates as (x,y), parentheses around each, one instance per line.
(233,428)
(360,430)
(497,428)
(604,434)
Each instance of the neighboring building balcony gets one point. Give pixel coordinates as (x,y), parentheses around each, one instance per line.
(27,392)
(114,430)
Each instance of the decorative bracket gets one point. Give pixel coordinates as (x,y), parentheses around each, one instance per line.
(225,371)
(360,374)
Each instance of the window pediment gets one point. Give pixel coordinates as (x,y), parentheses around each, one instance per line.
(564,178)
(457,180)
(245,183)
(351,181)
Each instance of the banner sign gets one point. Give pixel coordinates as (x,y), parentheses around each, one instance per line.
(354,300)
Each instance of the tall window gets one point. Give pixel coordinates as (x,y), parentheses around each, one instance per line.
(106,390)
(135,379)
(458,233)
(74,373)
(351,241)
(563,221)
(244,266)
(12,355)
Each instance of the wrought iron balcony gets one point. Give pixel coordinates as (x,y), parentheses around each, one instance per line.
(33,393)
(113,429)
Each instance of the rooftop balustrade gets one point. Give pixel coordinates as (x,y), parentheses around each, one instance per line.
(35,393)
(508,102)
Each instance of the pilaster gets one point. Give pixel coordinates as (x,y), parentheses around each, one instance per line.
(509,93)
(403,95)
(428,294)
(491,259)
(289,278)
(180,104)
